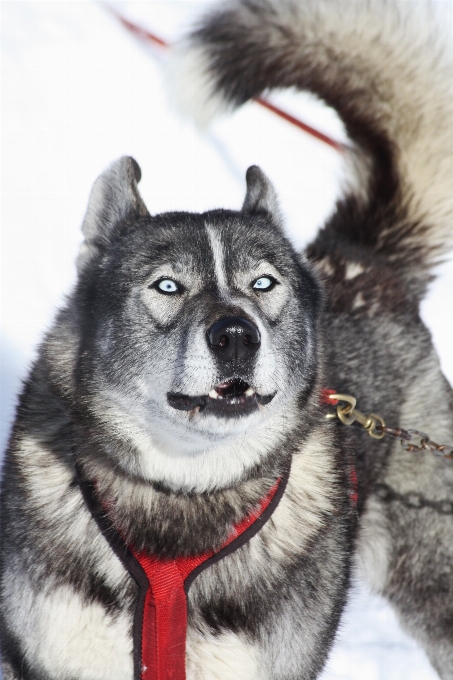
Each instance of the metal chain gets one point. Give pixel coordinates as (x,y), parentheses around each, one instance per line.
(412,499)
(413,441)
(416,441)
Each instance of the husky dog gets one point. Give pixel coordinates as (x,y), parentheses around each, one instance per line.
(182,382)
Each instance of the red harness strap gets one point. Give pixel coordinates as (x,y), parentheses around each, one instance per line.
(160,627)
(164,624)
(354,481)
(160,623)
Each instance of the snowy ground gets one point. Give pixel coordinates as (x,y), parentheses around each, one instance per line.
(78,92)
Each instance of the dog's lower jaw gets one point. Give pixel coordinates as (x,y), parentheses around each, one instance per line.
(197,453)
(234,406)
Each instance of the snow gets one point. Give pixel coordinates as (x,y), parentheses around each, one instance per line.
(78,91)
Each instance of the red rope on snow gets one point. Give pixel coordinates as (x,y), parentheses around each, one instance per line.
(303,126)
(137,30)
(143,34)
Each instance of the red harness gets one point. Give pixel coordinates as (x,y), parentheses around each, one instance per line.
(164,624)
(354,481)
(160,622)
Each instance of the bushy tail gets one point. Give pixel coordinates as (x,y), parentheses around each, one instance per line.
(383,71)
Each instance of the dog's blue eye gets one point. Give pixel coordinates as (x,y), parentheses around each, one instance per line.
(167,286)
(264,283)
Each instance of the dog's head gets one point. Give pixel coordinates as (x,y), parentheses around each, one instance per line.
(199,332)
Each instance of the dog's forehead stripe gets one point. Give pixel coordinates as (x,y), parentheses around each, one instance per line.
(218,255)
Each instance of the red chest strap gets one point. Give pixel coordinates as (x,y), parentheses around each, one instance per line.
(164,625)
(160,622)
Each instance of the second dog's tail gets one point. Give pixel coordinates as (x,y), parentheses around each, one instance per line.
(390,83)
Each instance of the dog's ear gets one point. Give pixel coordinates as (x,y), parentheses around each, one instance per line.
(261,196)
(114,197)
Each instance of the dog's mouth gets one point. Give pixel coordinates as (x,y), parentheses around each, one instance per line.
(231,398)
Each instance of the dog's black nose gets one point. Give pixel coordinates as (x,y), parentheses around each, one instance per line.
(234,338)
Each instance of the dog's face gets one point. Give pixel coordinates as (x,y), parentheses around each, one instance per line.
(199,333)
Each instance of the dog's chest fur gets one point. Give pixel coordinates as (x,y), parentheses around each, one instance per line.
(229,603)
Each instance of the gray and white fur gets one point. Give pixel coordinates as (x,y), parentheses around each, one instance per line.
(184,433)
(384,69)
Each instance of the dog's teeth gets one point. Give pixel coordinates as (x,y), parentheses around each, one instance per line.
(249,392)
(215,395)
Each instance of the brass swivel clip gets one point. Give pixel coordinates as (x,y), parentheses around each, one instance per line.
(348,414)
